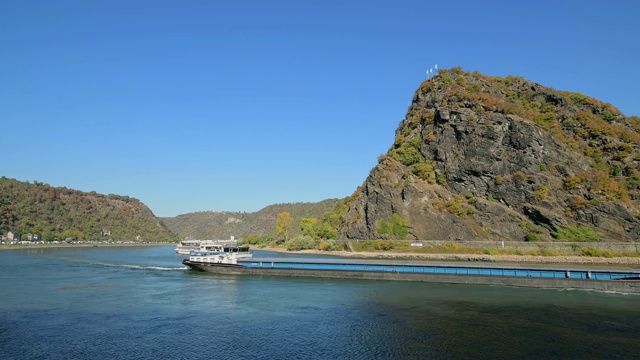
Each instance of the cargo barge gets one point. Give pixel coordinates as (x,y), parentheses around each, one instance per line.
(571,277)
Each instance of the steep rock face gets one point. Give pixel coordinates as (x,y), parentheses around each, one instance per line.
(503,159)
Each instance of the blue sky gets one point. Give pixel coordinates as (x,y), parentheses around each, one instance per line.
(236,105)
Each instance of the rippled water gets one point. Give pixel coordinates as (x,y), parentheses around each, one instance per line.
(140,303)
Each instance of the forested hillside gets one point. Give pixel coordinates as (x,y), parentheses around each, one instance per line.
(223,225)
(58,213)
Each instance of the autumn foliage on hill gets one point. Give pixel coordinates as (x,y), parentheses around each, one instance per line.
(596,129)
(591,127)
(58,213)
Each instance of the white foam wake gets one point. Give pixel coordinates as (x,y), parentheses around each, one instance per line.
(142,267)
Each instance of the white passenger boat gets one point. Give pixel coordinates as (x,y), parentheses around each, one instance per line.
(185,247)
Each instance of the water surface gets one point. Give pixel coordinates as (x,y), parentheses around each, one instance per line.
(141,303)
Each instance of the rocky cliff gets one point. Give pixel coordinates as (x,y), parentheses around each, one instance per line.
(480,157)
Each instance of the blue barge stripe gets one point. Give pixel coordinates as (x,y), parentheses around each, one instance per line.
(448,270)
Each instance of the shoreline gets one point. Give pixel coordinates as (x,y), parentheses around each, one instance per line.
(481,258)
(47,246)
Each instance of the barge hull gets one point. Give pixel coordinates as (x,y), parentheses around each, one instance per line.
(623,286)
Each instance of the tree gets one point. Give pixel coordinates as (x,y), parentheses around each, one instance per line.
(283,224)
(327,232)
(317,229)
(309,227)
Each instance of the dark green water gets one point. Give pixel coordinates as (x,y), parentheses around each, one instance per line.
(140,303)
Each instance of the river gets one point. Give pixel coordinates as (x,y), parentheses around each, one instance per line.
(141,303)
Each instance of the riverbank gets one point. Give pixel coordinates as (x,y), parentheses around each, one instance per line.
(471,257)
(47,246)
(388,255)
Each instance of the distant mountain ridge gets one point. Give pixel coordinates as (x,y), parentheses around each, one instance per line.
(58,213)
(481,157)
(223,225)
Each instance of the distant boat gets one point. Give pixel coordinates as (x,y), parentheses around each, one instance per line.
(186,246)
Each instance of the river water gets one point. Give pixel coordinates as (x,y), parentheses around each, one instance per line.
(141,303)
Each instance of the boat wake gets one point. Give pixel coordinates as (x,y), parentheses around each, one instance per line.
(597,291)
(141,267)
(160,268)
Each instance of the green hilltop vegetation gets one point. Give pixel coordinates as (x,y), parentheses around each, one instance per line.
(58,213)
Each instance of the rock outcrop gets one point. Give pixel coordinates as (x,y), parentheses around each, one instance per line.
(480,157)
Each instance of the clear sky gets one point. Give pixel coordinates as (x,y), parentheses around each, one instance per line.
(236,105)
